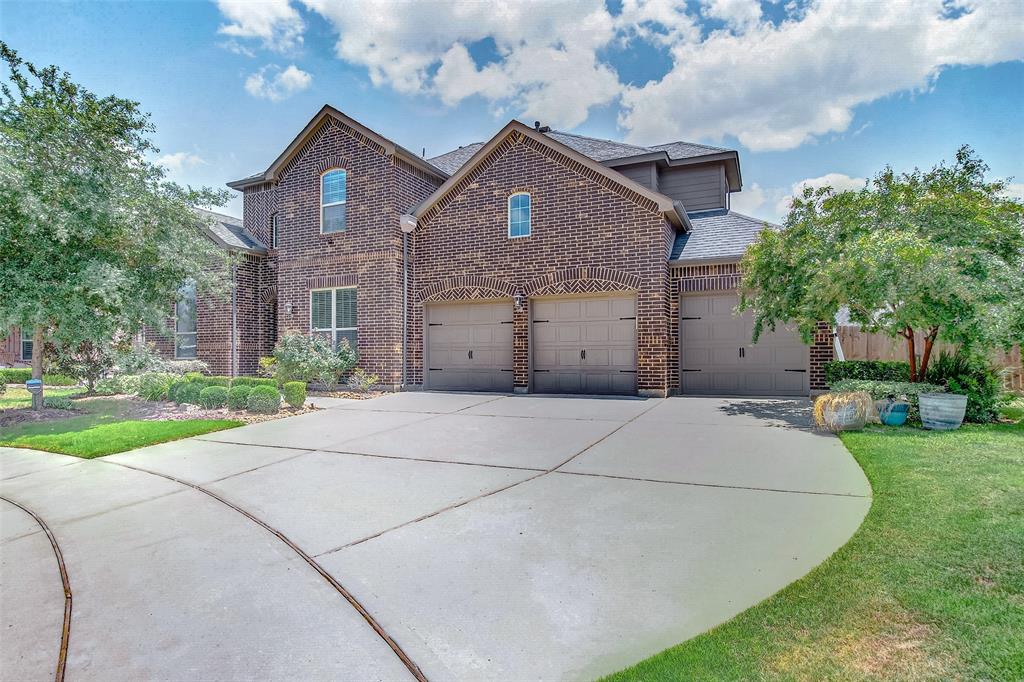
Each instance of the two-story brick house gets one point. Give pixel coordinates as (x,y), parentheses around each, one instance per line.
(538,261)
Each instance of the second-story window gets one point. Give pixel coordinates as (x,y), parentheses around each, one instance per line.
(273,231)
(519,215)
(332,201)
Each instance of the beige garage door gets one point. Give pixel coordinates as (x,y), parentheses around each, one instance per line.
(584,345)
(717,356)
(469,347)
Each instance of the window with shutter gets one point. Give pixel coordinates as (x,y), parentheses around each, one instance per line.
(332,314)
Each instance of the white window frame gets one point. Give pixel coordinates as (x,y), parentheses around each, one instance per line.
(195,322)
(334,329)
(508,211)
(343,202)
(273,230)
(29,336)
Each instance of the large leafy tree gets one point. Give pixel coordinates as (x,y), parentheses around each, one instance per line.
(938,252)
(94,239)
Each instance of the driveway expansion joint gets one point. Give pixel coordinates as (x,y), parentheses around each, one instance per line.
(714,485)
(62,656)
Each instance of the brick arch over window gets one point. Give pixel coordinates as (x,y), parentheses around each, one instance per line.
(466,286)
(268,294)
(331,162)
(582,280)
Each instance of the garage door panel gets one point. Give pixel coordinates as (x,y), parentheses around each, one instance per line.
(469,346)
(594,325)
(713,343)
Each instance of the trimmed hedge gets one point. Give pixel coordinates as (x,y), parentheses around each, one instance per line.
(868,370)
(213,397)
(295,393)
(57,402)
(238,397)
(172,389)
(880,390)
(204,380)
(188,393)
(253,381)
(19,375)
(264,400)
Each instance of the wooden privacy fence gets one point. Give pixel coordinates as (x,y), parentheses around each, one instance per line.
(859,345)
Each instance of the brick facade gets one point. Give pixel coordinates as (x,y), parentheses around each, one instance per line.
(587,236)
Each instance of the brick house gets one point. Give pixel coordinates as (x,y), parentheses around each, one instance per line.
(538,261)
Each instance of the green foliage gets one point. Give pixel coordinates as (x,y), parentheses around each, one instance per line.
(238,396)
(186,367)
(175,385)
(139,358)
(900,390)
(940,252)
(95,239)
(19,375)
(108,386)
(87,361)
(268,366)
(57,402)
(264,400)
(253,381)
(295,393)
(361,380)
(301,357)
(872,370)
(209,381)
(188,393)
(213,397)
(154,385)
(970,375)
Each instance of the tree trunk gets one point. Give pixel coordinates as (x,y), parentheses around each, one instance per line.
(908,334)
(37,362)
(926,355)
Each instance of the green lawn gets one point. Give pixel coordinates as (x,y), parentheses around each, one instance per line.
(1014,410)
(19,397)
(930,587)
(103,431)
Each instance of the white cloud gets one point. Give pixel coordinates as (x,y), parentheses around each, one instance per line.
(272,83)
(180,161)
(837,181)
(275,22)
(776,87)
(772,84)
(1014,190)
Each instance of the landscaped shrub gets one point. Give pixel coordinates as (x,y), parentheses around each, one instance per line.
(361,380)
(108,386)
(185,366)
(264,399)
(268,366)
(238,397)
(213,397)
(305,358)
(870,370)
(188,393)
(19,375)
(154,385)
(295,393)
(209,381)
(900,390)
(177,383)
(253,381)
(57,402)
(129,383)
(137,359)
(87,361)
(972,376)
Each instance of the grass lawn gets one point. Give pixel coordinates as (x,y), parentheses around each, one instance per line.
(930,587)
(19,397)
(103,431)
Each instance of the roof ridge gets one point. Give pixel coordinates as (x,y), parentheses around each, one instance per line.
(600,139)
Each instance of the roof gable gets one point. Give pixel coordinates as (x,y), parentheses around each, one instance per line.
(515,132)
(327,114)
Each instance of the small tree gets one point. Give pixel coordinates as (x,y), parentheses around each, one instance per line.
(86,361)
(94,239)
(938,252)
(305,358)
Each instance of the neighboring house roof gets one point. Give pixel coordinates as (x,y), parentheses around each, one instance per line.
(671,209)
(227,232)
(390,149)
(718,234)
(612,153)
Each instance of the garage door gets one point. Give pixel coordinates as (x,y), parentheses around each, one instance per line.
(469,347)
(717,355)
(584,345)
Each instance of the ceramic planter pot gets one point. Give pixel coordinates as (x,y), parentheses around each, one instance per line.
(942,411)
(893,412)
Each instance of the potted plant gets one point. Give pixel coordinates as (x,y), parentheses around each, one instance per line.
(893,411)
(843,411)
(942,411)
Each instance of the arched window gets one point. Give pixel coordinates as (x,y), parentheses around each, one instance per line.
(332,201)
(519,215)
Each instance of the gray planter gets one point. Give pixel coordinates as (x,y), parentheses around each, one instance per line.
(942,411)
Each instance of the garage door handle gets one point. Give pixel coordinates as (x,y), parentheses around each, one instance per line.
(690,370)
(583,354)
(796,370)
(470,355)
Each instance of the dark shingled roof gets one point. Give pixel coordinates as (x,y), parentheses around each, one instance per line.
(717,234)
(228,232)
(593,147)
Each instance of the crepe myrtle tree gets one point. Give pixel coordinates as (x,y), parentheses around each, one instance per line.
(94,240)
(938,252)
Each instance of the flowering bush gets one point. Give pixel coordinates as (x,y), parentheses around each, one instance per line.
(307,358)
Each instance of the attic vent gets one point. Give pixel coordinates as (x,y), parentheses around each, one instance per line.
(541,129)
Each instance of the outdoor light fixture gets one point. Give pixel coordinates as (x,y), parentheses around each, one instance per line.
(288,307)
(517,301)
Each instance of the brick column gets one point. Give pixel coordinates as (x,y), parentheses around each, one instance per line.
(521,347)
(822,351)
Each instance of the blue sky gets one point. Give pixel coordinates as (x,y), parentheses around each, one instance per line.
(804,90)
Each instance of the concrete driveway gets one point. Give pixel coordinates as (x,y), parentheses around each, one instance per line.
(446,536)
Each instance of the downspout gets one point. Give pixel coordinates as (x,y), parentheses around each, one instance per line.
(234,320)
(408,224)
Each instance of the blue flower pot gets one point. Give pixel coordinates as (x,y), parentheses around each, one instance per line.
(892,413)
